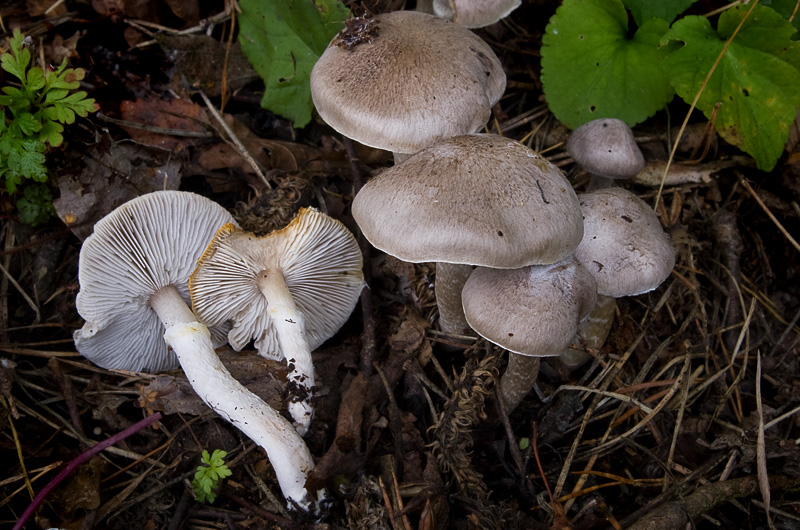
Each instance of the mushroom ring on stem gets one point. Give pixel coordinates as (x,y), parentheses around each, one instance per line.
(133,273)
(290,290)
(476,199)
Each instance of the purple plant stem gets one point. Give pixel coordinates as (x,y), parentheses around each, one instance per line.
(80,459)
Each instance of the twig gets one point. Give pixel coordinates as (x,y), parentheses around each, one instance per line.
(235,140)
(763,206)
(80,459)
(761,453)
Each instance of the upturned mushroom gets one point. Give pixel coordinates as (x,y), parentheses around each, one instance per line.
(532,312)
(626,250)
(476,199)
(133,274)
(607,149)
(403,80)
(290,290)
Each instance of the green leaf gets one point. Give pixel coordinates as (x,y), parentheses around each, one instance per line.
(592,69)
(283,39)
(36,205)
(27,124)
(786,9)
(643,10)
(755,83)
(51,133)
(17,61)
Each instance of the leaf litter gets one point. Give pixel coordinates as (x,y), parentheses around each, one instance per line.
(669,423)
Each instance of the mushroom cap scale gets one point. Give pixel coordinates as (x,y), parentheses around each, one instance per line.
(476,199)
(319,260)
(141,247)
(624,246)
(532,310)
(420,79)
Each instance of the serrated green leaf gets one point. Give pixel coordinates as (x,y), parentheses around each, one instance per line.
(283,39)
(643,10)
(36,205)
(755,83)
(786,9)
(35,80)
(27,123)
(17,61)
(51,133)
(591,69)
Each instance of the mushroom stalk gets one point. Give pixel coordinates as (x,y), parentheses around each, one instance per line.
(209,378)
(518,380)
(450,280)
(592,332)
(290,327)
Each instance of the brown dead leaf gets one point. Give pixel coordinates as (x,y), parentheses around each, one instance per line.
(199,62)
(186,10)
(82,488)
(176,115)
(38,7)
(171,394)
(410,334)
(109,175)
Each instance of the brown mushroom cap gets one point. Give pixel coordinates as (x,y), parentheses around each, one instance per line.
(533,310)
(418,80)
(477,199)
(319,260)
(144,245)
(624,246)
(606,147)
(474,13)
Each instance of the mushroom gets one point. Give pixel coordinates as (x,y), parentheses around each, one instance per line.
(133,274)
(290,290)
(532,311)
(474,13)
(477,199)
(626,250)
(607,149)
(403,80)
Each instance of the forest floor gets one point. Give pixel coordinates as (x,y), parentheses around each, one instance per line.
(688,413)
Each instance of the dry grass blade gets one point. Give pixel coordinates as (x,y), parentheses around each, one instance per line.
(761,454)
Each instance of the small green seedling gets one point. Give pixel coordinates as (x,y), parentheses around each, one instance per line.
(34,114)
(208,478)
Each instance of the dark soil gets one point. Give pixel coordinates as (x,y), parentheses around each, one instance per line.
(669,426)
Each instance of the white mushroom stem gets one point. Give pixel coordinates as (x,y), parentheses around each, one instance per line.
(450,280)
(518,380)
(209,378)
(290,328)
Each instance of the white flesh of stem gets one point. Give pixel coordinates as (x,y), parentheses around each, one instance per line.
(290,328)
(209,378)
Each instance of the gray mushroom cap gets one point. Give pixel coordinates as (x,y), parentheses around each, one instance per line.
(474,13)
(534,310)
(417,80)
(142,246)
(319,260)
(606,147)
(477,199)
(624,246)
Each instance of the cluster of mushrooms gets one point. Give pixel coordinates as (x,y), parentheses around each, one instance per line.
(521,260)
